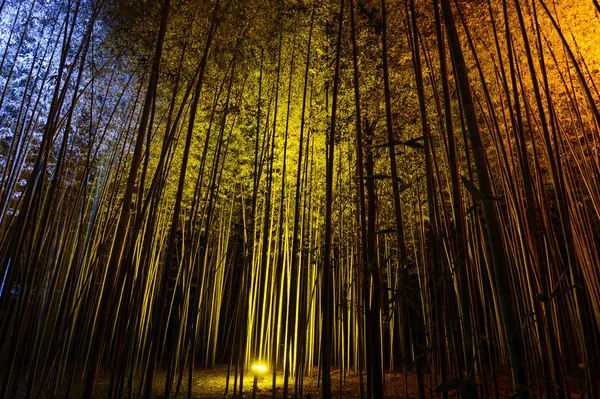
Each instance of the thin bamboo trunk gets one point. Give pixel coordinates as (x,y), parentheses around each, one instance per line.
(113,274)
(326,277)
(504,290)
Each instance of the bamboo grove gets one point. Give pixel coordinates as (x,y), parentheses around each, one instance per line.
(394,189)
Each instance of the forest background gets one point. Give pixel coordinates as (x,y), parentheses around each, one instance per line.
(365,185)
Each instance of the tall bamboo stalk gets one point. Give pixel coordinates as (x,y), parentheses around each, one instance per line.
(504,291)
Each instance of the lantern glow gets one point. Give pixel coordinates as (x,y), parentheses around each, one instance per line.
(259,368)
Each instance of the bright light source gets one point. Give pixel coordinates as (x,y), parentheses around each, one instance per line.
(259,368)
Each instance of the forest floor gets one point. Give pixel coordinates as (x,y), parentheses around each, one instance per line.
(211,383)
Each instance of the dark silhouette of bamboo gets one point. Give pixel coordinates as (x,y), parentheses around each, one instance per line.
(458,212)
(326,276)
(158,328)
(32,197)
(12,32)
(266,234)
(409,322)
(296,227)
(280,249)
(364,262)
(19,143)
(69,130)
(504,291)
(429,147)
(114,275)
(17,51)
(50,202)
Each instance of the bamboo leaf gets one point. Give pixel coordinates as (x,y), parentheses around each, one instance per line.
(472,188)
(415,143)
(388,144)
(557,284)
(403,184)
(377,177)
(471,209)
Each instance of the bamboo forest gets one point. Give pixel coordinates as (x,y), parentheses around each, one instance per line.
(355,199)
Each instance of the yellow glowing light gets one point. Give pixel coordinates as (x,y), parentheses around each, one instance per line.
(259,368)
